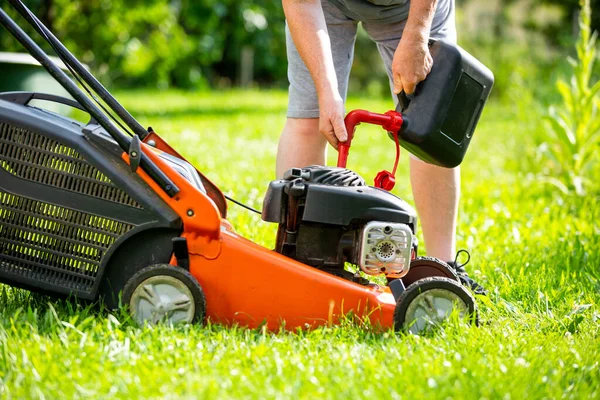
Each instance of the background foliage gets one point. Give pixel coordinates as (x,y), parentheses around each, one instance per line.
(570,150)
(184,43)
(198,43)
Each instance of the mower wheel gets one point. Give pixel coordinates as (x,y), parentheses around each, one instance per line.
(428,302)
(426,267)
(164,293)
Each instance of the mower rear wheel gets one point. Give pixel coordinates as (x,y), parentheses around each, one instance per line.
(164,294)
(429,302)
(426,267)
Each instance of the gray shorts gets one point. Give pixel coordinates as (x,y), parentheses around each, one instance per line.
(303,102)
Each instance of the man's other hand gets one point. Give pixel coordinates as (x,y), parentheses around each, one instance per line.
(412,62)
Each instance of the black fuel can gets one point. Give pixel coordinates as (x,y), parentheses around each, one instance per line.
(441,116)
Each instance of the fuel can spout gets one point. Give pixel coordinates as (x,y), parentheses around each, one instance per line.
(391,121)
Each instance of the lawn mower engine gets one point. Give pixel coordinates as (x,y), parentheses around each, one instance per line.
(328,217)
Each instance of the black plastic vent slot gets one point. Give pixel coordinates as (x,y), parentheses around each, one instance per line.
(36,158)
(54,245)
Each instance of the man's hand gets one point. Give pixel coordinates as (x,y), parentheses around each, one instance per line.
(331,118)
(412,62)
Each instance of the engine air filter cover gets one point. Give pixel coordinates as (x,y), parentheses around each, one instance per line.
(386,249)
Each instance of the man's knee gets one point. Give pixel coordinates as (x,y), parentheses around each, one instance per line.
(301,144)
(303,127)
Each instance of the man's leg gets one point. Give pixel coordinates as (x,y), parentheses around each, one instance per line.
(436,191)
(301,144)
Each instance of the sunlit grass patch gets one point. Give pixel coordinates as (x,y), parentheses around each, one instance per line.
(537,254)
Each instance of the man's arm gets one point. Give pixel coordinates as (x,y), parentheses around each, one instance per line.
(412,60)
(307,25)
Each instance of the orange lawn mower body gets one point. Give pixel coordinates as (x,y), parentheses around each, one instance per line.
(252,286)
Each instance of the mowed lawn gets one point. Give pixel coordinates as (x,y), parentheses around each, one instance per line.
(538,253)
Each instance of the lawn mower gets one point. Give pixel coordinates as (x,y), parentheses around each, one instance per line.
(108,210)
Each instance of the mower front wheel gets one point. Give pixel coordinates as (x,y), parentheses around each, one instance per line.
(428,302)
(164,294)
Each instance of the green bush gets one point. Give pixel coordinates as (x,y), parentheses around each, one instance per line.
(163,43)
(569,153)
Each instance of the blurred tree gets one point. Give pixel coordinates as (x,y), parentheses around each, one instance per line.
(221,29)
(523,41)
(198,43)
(572,8)
(160,42)
(537,12)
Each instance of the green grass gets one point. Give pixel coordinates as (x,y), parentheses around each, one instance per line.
(536,252)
